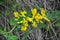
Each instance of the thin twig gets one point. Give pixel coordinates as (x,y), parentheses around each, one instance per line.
(12,29)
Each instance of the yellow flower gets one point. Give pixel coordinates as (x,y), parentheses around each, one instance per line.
(34,24)
(42,12)
(29,19)
(16,14)
(34,11)
(23,13)
(46,19)
(26,24)
(24,20)
(38,17)
(23,28)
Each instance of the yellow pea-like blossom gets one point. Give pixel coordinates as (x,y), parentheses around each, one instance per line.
(24,20)
(29,19)
(23,13)
(46,19)
(44,15)
(38,17)
(43,12)
(34,24)
(23,28)
(16,14)
(26,24)
(34,11)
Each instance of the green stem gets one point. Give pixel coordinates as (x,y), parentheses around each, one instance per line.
(53,30)
(55,20)
(12,29)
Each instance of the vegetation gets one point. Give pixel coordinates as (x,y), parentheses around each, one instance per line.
(29,20)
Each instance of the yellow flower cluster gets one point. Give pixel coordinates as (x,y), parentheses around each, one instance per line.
(36,18)
(34,24)
(16,14)
(39,16)
(24,27)
(34,11)
(43,12)
(23,13)
(29,19)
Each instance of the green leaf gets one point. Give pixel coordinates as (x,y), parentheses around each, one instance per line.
(14,5)
(7,12)
(19,26)
(1,3)
(13,37)
(13,22)
(50,16)
(5,28)
(20,19)
(0,29)
(29,14)
(57,24)
(42,25)
(57,14)
(8,0)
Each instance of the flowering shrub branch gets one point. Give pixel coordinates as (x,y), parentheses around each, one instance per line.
(23,18)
